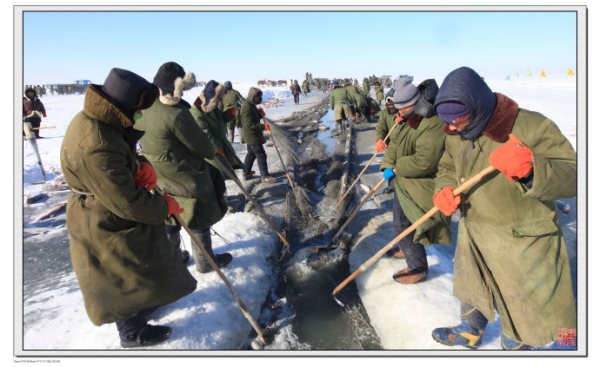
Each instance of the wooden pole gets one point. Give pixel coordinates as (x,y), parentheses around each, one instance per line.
(364,169)
(367,264)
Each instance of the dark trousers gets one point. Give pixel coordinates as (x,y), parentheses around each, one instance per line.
(256,152)
(35,123)
(297,98)
(415,255)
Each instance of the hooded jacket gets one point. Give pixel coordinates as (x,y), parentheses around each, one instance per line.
(122,258)
(252,132)
(511,254)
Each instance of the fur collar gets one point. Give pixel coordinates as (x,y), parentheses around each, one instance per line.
(502,121)
(414,121)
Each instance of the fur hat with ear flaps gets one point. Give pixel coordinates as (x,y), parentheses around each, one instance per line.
(209,98)
(129,91)
(172,80)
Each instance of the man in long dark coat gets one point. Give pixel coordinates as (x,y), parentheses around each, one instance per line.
(122,258)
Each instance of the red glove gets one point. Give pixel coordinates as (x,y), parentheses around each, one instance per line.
(513,159)
(219,151)
(380,146)
(445,200)
(172,204)
(145,176)
(267,127)
(261,112)
(44,114)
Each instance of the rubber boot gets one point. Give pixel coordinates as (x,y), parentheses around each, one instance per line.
(510,344)
(175,239)
(202,265)
(468,334)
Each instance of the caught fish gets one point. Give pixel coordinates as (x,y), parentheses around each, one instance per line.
(366,188)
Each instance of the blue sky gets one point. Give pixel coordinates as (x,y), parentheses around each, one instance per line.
(60,47)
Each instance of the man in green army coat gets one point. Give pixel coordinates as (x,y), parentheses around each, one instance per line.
(386,122)
(366,86)
(511,255)
(178,149)
(411,160)
(232,101)
(341,103)
(378,92)
(254,136)
(122,258)
(360,102)
(212,122)
(305,87)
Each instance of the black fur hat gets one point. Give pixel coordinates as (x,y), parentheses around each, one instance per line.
(129,91)
(172,80)
(166,76)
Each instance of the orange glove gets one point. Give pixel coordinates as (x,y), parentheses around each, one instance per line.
(445,200)
(380,146)
(145,176)
(398,119)
(261,112)
(267,127)
(172,204)
(220,151)
(513,159)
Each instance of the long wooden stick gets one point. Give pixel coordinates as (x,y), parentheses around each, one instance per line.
(234,177)
(214,265)
(367,264)
(343,227)
(287,174)
(364,169)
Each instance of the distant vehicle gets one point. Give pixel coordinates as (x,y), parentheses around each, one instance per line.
(83,82)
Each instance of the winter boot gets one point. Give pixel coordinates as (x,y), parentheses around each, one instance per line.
(202,265)
(175,239)
(409,276)
(468,334)
(395,252)
(510,344)
(134,332)
(150,335)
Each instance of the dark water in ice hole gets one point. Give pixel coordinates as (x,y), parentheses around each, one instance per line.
(301,302)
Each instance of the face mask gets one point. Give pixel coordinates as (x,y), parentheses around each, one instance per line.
(137,116)
(258,100)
